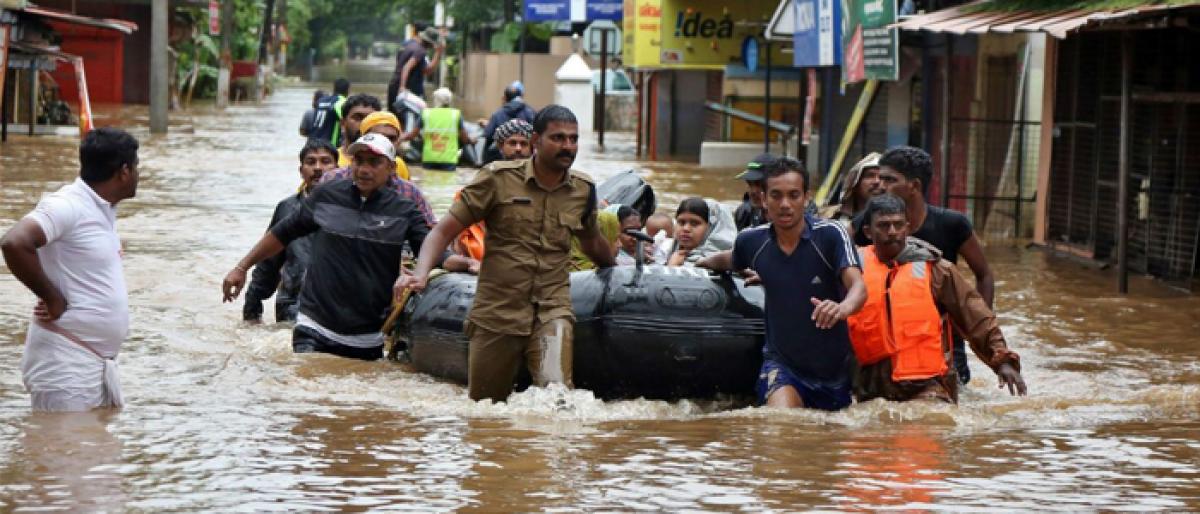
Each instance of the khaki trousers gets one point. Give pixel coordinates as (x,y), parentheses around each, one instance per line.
(493,358)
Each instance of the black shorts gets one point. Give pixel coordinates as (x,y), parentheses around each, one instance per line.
(305,340)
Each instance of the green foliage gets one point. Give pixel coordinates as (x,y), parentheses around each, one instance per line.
(507,39)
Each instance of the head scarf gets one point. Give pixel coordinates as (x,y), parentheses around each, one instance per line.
(378,118)
(722,231)
(516,126)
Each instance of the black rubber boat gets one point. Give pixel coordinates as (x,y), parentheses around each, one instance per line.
(652,331)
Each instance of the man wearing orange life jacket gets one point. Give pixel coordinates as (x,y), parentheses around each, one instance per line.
(900,336)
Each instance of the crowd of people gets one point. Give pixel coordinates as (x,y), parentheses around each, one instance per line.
(865,302)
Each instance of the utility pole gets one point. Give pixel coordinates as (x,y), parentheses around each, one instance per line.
(226,54)
(264,38)
(158,67)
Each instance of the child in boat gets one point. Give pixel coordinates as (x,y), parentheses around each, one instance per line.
(662,228)
(627,245)
(703,227)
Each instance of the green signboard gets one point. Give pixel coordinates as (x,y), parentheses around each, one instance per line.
(870,49)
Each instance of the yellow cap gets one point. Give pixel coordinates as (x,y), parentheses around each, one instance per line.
(378,118)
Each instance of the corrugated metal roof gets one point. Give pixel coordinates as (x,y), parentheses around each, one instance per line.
(126,27)
(969,19)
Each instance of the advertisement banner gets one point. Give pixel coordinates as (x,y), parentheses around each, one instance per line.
(870,49)
(818,37)
(605,10)
(708,34)
(573,10)
(214,18)
(547,10)
(642,24)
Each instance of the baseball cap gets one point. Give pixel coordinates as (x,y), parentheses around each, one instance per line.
(376,143)
(518,87)
(754,171)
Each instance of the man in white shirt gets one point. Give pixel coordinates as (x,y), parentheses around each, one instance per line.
(68,253)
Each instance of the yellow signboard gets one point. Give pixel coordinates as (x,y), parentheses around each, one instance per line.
(708,34)
(642,28)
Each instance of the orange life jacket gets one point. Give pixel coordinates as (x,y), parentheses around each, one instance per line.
(470,240)
(900,319)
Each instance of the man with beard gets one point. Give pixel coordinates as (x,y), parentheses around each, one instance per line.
(514,108)
(906,172)
(285,271)
(359,228)
(522,309)
(900,336)
(67,252)
(354,111)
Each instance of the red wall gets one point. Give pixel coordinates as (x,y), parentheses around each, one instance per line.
(103,62)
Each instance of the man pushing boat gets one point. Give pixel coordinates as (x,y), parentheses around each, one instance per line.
(522,307)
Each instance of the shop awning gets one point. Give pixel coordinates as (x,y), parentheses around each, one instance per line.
(977,18)
(125,27)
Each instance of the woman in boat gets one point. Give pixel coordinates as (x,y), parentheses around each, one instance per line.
(702,227)
(626,244)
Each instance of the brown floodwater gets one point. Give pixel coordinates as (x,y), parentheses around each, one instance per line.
(222,416)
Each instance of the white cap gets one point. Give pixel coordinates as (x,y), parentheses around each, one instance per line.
(376,143)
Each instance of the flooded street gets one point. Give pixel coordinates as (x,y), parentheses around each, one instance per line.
(223,416)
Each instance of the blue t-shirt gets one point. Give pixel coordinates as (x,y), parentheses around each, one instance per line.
(813,270)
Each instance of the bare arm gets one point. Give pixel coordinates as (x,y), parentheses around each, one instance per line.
(437,54)
(720,261)
(461,263)
(266,247)
(404,71)
(431,252)
(20,246)
(597,249)
(985,282)
(828,312)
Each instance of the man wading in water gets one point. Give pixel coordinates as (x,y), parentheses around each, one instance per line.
(522,309)
(812,281)
(899,335)
(359,228)
(68,253)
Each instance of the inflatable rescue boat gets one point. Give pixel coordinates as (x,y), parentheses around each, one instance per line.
(640,331)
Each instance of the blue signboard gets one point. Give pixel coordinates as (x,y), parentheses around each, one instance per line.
(750,53)
(818,34)
(605,9)
(547,10)
(568,10)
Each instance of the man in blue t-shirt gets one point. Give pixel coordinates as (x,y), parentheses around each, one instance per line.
(813,282)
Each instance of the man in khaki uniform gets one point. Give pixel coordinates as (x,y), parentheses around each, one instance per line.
(522,307)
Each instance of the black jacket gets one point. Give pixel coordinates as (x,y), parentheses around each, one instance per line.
(356,252)
(283,271)
(747,215)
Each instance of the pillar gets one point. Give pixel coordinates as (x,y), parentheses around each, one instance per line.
(158,67)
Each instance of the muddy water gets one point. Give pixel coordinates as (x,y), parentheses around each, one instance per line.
(223,416)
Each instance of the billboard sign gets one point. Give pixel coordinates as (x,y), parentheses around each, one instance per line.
(818,36)
(870,49)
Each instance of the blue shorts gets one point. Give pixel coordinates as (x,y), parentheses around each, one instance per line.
(816,395)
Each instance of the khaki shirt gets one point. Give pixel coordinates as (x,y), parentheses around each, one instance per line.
(524,275)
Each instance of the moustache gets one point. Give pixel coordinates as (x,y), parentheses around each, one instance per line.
(564,153)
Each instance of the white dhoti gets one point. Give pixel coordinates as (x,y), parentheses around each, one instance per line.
(62,373)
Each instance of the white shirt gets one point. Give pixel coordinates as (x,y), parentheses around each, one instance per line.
(82,258)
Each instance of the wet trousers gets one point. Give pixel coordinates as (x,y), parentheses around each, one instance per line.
(494,359)
(305,340)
